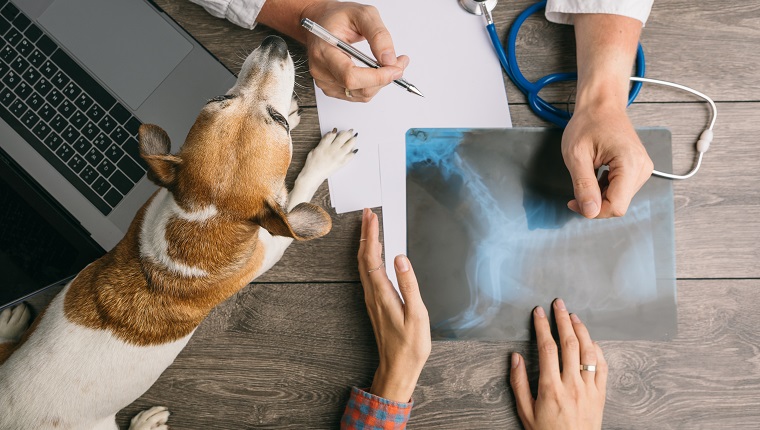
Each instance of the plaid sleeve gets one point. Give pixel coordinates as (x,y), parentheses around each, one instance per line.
(366,411)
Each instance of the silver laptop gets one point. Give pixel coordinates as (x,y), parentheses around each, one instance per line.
(77,78)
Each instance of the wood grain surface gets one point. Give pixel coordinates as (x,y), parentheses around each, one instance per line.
(284,351)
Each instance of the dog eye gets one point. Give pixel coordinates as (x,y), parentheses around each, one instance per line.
(221,98)
(278,118)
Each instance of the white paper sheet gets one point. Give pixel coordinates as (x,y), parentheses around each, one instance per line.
(454,66)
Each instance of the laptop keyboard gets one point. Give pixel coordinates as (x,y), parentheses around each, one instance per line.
(65,115)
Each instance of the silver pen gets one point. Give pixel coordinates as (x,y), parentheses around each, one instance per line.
(352,52)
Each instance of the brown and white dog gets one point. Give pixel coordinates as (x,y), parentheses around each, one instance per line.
(221,218)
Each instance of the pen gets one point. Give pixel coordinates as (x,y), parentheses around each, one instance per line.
(352,52)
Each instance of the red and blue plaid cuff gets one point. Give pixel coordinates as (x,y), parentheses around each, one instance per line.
(366,411)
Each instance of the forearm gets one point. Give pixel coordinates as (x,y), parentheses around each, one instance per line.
(285,16)
(606,49)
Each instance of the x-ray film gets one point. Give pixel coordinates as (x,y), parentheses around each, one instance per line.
(490,237)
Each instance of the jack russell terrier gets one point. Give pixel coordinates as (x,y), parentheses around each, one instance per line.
(221,218)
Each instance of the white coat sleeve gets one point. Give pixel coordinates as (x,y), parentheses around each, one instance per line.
(561,11)
(239,12)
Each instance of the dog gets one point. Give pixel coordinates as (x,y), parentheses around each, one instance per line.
(221,218)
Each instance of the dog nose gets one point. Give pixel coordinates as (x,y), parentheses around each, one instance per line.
(276,46)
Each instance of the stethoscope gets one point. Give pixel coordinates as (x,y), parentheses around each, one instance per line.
(553,114)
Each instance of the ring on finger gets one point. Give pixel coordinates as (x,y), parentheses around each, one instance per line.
(376,268)
(362,240)
(588,367)
(348,93)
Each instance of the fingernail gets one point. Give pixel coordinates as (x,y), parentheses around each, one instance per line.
(402,264)
(540,312)
(560,305)
(589,209)
(355,150)
(574,318)
(515,360)
(397,74)
(357,133)
(387,58)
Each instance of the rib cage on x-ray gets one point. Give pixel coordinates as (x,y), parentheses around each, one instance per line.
(490,237)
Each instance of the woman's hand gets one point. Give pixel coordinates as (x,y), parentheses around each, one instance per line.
(402,330)
(573,398)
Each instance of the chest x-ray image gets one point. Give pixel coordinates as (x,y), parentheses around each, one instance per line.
(490,237)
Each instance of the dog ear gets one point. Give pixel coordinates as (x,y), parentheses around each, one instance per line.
(305,222)
(154,149)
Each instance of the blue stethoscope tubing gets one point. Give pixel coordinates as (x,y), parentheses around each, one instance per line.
(541,107)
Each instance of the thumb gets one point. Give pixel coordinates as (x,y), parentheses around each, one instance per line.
(371,26)
(407,285)
(588,197)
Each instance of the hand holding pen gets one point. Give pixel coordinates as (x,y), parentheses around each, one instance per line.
(334,72)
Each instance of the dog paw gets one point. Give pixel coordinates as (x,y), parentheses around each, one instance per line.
(14,322)
(294,114)
(154,418)
(334,151)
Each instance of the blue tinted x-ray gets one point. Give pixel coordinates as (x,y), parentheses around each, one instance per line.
(490,237)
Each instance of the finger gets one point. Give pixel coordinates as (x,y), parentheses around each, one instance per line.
(371,26)
(373,259)
(568,340)
(624,183)
(339,92)
(601,370)
(585,187)
(343,137)
(363,238)
(518,378)
(587,349)
(548,363)
(17,313)
(409,288)
(354,77)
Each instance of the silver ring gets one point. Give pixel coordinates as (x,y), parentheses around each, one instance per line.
(376,268)
(348,93)
(362,240)
(588,367)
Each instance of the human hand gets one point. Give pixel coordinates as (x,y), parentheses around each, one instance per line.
(598,136)
(333,71)
(573,398)
(402,330)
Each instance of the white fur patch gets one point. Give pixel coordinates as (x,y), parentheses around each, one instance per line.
(153,244)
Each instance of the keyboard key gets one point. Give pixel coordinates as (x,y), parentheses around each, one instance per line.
(119,135)
(89,131)
(106,168)
(48,69)
(70,134)
(67,108)
(77,163)
(53,141)
(33,33)
(78,119)
(101,186)
(31,76)
(24,47)
(94,156)
(83,101)
(132,169)
(21,22)
(11,79)
(114,152)
(132,126)
(58,123)
(131,148)
(112,197)
(36,58)
(60,80)
(84,80)
(4,68)
(121,182)
(95,113)
(13,36)
(7,97)
(120,113)
(55,97)
(7,54)
(82,145)
(43,86)
(19,64)
(107,124)
(4,25)
(17,108)
(64,152)
(9,11)
(72,91)
(41,130)
(102,142)
(35,101)
(23,90)
(46,112)
(46,45)
(88,175)
(30,119)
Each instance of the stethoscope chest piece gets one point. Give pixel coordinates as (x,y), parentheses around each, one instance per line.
(473,6)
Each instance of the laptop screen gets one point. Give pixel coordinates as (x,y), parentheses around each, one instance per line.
(39,244)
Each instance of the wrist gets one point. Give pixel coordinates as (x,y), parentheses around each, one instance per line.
(311,9)
(602,93)
(395,386)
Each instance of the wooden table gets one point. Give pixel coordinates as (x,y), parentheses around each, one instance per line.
(284,351)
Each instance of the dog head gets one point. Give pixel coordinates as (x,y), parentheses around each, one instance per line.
(237,153)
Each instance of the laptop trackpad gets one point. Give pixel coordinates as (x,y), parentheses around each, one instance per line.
(124,43)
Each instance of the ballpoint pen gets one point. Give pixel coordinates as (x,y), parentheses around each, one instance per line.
(352,52)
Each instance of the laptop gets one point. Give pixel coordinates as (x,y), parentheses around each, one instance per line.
(77,78)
